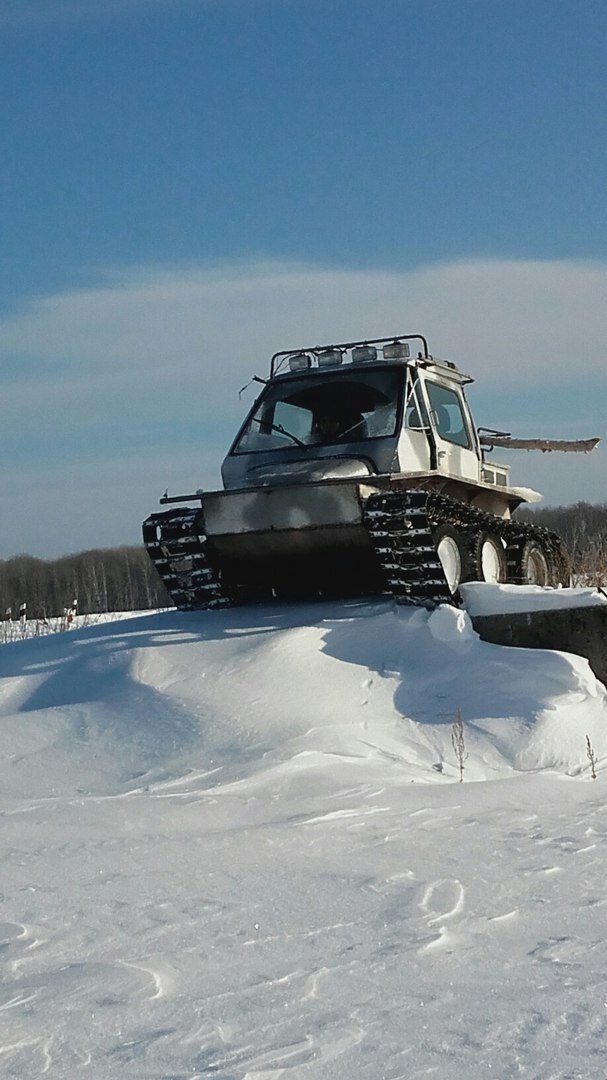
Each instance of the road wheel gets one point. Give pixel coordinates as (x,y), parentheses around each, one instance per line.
(493,566)
(452,550)
(534,565)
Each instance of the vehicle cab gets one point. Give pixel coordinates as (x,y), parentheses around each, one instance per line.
(356,410)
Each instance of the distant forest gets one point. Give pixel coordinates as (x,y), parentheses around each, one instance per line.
(105,579)
(124,579)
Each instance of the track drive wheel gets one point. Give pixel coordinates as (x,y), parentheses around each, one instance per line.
(452,550)
(534,565)
(492,563)
(537,564)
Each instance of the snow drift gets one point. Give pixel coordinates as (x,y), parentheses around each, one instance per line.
(235,846)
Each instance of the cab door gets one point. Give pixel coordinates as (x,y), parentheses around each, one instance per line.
(456,444)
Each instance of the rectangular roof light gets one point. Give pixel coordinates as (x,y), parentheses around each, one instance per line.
(363,354)
(330,357)
(299,361)
(397,350)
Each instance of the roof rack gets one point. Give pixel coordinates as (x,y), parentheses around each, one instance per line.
(324,356)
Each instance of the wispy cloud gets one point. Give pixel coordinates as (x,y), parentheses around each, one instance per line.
(146,367)
(526,320)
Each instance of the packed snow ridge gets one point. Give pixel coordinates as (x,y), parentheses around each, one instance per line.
(235,845)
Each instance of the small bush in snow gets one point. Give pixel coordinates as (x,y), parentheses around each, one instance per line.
(458,742)
(590,754)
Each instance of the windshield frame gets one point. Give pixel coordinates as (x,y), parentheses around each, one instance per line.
(293,442)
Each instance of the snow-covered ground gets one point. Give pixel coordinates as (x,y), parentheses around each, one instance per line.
(234,845)
(18,629)
(483,599)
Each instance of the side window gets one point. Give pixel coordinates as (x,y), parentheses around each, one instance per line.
(447,414)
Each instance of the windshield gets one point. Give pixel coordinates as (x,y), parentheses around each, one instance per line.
(323,410)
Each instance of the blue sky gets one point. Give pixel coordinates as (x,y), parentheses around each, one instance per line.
(188,186)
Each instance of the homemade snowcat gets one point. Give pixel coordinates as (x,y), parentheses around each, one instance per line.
(358,471)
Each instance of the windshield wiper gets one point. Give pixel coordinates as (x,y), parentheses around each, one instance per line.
(348,430)
(280,429)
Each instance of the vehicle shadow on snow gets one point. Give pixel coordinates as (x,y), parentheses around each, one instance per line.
(91,675)
(88,674)
(433,676)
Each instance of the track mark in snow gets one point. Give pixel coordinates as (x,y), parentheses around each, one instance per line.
(274,1062)
(301,934)
(447,894)
(11,932)
(442,901)
(313,981)
(507,915)
(20,999)
(443,940)
(547,870)
(562,950)
(336,815)
(324,1047)
(157,981)
(437,819)
(15,1049)
(16,938)
(402,875)
(46,1054)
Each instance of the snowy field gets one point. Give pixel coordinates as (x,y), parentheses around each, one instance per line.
(234,846)
(18,629)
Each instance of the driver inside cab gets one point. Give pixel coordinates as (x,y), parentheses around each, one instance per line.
(331,426)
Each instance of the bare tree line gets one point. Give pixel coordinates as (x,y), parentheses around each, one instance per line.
(111,579)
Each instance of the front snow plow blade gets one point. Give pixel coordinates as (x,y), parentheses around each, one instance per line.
(249,545)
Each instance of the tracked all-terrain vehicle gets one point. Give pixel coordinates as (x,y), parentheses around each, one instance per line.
(357,471)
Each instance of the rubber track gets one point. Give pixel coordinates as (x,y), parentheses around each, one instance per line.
(401,533)
(400,526)
(177,549)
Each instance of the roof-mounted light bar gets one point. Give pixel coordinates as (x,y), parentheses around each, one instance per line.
(323,356)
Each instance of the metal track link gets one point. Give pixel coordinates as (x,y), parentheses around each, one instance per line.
(401,535)
(514,534)
(177,549)
(401,526)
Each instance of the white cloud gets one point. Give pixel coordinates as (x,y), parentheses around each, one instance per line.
(168,349)
(533,317)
